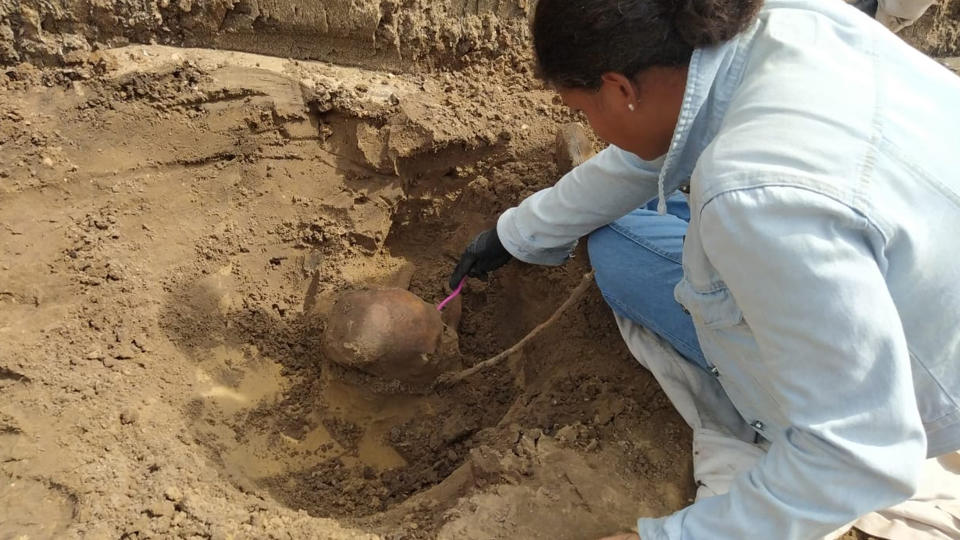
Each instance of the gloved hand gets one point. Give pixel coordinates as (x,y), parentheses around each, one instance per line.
(483,255)
(867,6)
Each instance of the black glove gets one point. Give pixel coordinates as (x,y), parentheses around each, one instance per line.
(867,6)
(483,255)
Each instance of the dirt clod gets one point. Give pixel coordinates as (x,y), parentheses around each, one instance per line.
(573,146)
(129,416)
(173,494)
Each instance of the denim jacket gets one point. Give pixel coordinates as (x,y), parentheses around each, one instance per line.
(820,265)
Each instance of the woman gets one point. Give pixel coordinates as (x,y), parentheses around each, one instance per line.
(808,263)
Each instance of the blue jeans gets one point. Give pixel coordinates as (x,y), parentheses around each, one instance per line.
(637,262)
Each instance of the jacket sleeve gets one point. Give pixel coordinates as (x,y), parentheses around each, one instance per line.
(808,275)
(545,227)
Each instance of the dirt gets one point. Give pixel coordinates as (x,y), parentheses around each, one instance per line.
(176,225)
(391,34)
(937,33)
(383,34)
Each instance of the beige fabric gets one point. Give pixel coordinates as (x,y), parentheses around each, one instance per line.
(933,513)
(723,447)
(892,22)
(908,10)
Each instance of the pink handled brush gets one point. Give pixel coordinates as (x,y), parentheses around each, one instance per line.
(453,295)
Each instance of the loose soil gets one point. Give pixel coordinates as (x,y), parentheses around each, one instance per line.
(176,224)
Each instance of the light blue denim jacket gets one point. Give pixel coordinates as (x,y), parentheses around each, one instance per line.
(821,265)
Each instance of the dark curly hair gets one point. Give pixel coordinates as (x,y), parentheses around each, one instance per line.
(577,41)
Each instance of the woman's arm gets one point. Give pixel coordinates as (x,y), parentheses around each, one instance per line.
(545,227)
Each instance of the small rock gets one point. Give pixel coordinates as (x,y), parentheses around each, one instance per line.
(141,526)
(129,416)
(573,147)
(568,434)
(124,352)
(173,493)
(161,508)
(95,355)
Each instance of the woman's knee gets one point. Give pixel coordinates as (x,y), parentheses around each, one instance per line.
(635,274)
(601,247)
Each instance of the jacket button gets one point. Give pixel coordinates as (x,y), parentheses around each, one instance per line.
(757,425)
(685,188)
(715,371)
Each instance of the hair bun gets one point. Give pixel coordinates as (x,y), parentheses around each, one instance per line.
(704,23)
(577,41)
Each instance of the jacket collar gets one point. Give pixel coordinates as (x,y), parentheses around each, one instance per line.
(713,76)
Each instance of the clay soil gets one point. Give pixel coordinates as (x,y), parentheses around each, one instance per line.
(175,225)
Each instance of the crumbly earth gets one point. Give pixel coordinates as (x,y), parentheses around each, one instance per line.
(408,35)
(395,34)
(175,225)
(938,32)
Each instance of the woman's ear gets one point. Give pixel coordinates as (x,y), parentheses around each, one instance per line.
(620,93)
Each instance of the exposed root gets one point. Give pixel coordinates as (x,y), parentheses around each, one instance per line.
(455,377)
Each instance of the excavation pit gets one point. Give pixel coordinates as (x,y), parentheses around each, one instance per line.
(203,211)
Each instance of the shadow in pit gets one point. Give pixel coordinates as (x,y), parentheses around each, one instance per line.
(278,419)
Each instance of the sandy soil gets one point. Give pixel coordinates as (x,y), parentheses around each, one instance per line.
(938,32)
(412,34)
(175,226)
(176,223)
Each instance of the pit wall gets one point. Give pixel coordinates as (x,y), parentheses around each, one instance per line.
(402,35)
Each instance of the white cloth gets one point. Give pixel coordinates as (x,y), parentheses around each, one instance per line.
(723,447)
(904,9)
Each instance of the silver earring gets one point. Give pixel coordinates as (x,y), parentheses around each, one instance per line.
(630,106)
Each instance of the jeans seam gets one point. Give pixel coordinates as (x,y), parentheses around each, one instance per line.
(642,243)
